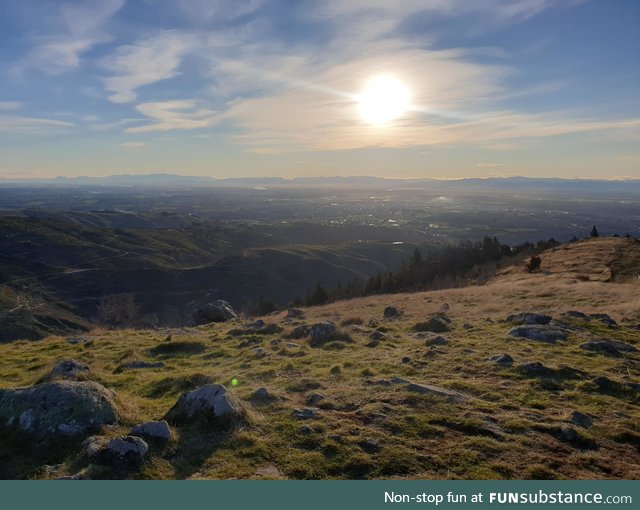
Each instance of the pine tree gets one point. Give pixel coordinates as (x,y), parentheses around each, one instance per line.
(594,232)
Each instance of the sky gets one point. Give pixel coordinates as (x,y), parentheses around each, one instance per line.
(244,88)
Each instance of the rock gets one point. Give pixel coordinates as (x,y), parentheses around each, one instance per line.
(299,332)
(437,324)
(436,340)
(93,445)
(539,333)
(314,398)
(370,446)
(305,413)
(605,319)
(259,352)
(270,471)
(65,408)
(574,314)
(601,346)
(426,389)
(259,324)
(569,433)
(68,369)
(292,345)
(140,364)
(604,383)
(77,340)
(322,332)
(581,419)
(390,312)
(168,338)
(535,368)
(77,476)
(217,311)
(129,450)
(406,360)
(376,336)
(305,430)
(211,401)
(501,359)
(399,380)
(294,313)
(153,429)
(528,318)
(444,308)
(262,397)
(623,347)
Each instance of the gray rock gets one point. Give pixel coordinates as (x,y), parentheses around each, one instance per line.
(299,332)
(538,333)
(140,364)
(211,401)
(93,445)
(574,314)
(127,450)
(322,332)
(68,369)
(399,380)
(370,446)
(391,312)
(605,319)
(314,398)
(427,389)
(259,324)
(66,408)
(305,413)
(569,433)
(501,359)
(535,368)
(217,311)
(77,476)
(436,340)
(153,429)
(437,324)
(305,430)
(602,346)
(376,336)
(294,313)
(262,397)
(528,318)
(581,419)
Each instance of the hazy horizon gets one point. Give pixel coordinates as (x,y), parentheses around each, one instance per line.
(263,88)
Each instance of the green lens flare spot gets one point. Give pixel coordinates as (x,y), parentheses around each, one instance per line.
(234,382)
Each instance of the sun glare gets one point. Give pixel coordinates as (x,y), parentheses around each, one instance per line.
(383,99)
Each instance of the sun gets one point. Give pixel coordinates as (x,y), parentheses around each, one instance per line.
(383,99)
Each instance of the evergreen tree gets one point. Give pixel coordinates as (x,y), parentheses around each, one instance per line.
(594,232)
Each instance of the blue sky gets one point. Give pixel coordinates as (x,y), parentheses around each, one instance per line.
(545,88)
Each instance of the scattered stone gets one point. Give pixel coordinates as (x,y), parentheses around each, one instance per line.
(370,446)
(292,345)
(436,340)
(77,476)
(390,312)
(574,314)
(569,433)
(539,333)
(270,471)
(168,338)
(259,324)
(581,419)
(372,344)
(376,336)
(605,319)
(406,360)
(68,369)
(153,429)
(437,324)
(604,383)
(65,408)
(77,340)
(426,389)
(444,308)
(528,318)
(274,343)
(93,445)
(322,332)
(217,311)
(259,352)
(305,430)
(305,413)
(211,401)
(533,368)
(129,450)
(140,364)
(294,313)
(603,346)
(314,398)
(262,397)
(300,332)
(501,359)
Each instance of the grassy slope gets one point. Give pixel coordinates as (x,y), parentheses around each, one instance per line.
(507,428)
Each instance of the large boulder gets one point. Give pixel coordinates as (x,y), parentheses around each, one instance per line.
(65,408)
(539,333)
(68,369)
(209,402)
(322,332)
(216,311)
(528,318)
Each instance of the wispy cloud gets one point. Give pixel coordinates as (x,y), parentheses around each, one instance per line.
(20,124)
(76,28)
(146,62)
(10,105)
(177,114)
(133,145)
(491,165)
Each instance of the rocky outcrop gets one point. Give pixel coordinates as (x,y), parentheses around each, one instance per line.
(436,324)
(65,408)
(126,450)
(539,333)
(216,311)
(211,402)
(68,369)
(528,318)
(322,332)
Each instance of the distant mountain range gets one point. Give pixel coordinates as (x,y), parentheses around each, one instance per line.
(494,183)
